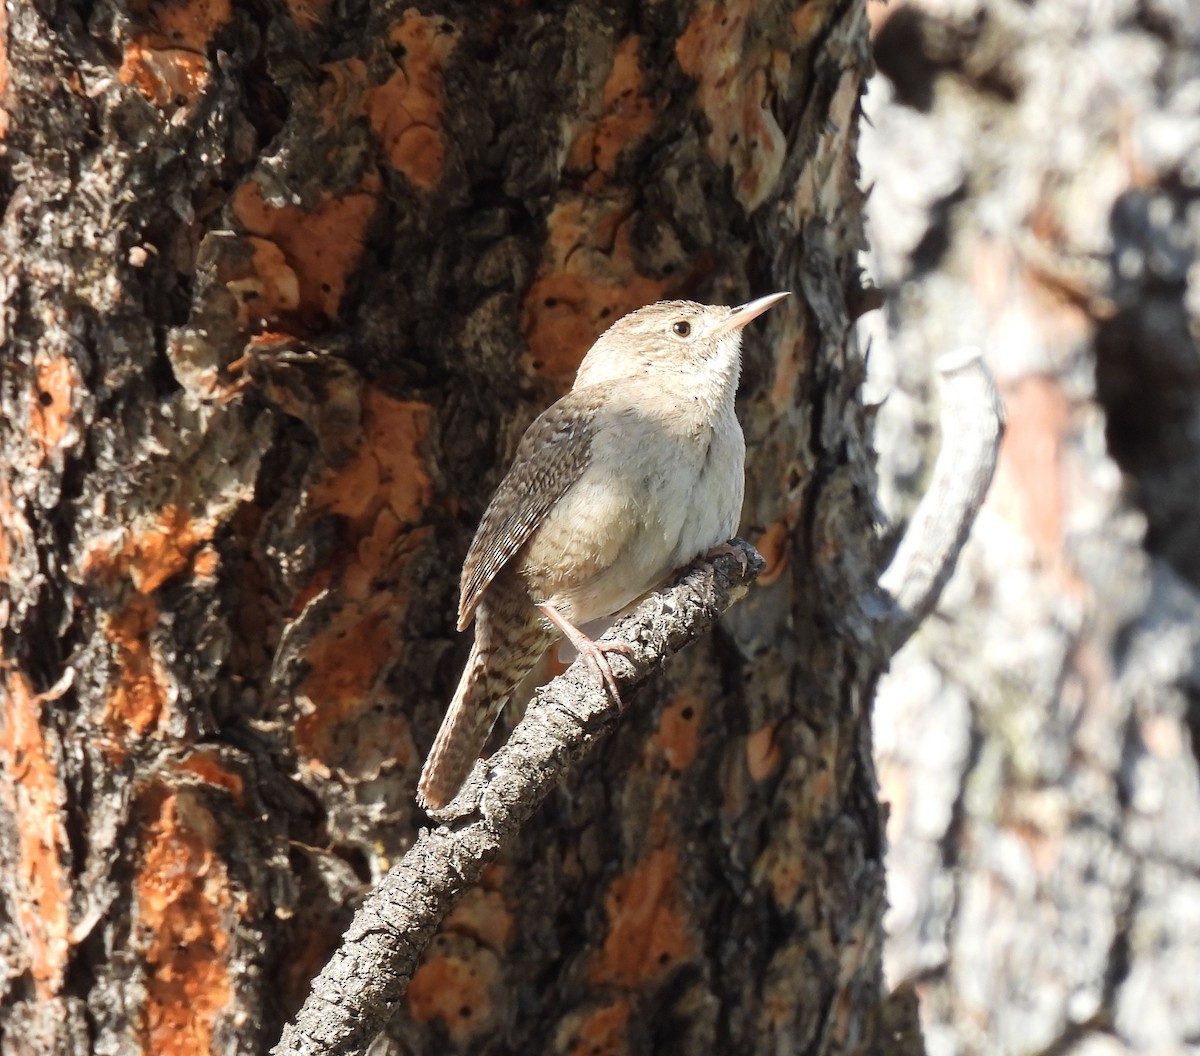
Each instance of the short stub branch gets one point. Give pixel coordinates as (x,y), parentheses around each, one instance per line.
(972,423)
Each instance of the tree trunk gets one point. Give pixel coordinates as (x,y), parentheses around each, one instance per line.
(1035,191)
(282,286)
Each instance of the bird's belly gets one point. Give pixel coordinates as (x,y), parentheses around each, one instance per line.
(625,531)
(714,506)
(617,549)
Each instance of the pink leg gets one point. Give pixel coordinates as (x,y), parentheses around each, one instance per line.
(593,652)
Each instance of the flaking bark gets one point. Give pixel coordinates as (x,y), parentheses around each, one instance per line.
(282,286)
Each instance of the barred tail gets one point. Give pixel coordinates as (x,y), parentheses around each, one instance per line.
(493,671)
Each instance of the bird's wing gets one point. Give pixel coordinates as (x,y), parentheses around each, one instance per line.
(551,456)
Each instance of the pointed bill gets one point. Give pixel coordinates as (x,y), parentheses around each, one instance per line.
(751,310)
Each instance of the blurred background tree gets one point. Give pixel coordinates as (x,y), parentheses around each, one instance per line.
(1035,174)
(283,283)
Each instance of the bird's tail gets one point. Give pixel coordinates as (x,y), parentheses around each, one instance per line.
(498,662)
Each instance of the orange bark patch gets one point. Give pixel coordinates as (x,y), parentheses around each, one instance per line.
(187,24)
(165,76)
(1030,460)
(208,767)
(206,562)
(183,899)
(762,753)
(811,20)
(602,1032)
(382,491)
(406,110)
(387,471)
(734,91)
(455,984)
(165,59)
(270,291)
(165,549)
(50,408)
(793,360)
(138,698)
(345,660)
(588,281)
(647,930)
(306,14)
(483,914)
(679,730)
(772,544)
(710,48)
(313,251)
(626,116)
(31,792)
(150,555)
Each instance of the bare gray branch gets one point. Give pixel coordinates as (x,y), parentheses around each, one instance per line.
(362,985)
(972,425)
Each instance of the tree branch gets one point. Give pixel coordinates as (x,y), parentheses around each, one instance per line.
(972,425)
(359,989)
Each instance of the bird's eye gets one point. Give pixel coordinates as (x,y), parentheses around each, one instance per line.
(682,328)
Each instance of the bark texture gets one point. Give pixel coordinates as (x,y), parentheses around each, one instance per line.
(282,285)
(360,988)
(1036,191)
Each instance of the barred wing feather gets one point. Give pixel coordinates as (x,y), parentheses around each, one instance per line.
(551,456)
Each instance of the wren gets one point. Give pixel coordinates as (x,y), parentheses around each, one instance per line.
(634,473)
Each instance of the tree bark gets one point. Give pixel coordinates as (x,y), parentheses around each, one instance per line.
(282,286)
(1035,191)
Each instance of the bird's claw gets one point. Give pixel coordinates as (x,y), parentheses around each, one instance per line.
(727,550)
(594,654)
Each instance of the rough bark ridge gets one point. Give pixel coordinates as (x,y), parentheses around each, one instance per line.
(1036,188)
(281,288)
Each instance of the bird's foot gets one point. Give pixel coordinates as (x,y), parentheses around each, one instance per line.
(704,562)
(726,550)
(592,652)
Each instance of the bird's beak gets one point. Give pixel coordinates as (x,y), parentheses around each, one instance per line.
(745,313)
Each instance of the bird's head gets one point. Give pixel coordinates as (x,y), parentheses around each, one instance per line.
(672,338)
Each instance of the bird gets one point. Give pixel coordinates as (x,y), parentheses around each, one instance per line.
(635,472)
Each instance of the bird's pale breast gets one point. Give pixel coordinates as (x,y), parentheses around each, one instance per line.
(664,484)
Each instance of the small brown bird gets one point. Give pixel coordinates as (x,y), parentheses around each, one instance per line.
(634,473)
